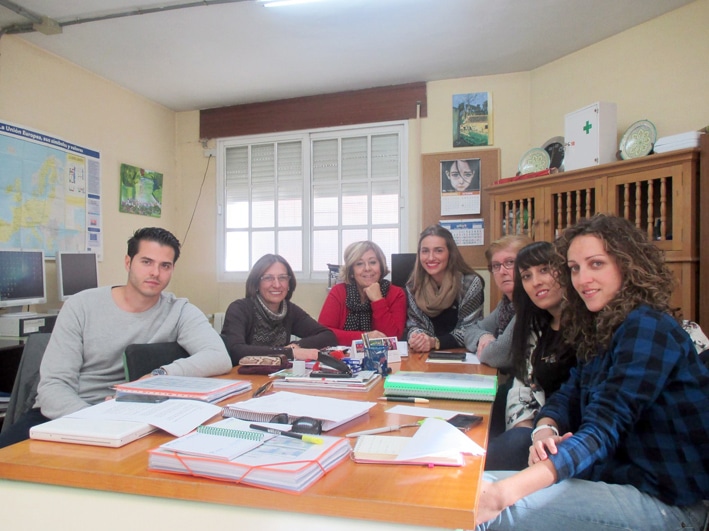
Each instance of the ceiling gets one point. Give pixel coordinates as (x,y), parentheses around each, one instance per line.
(216,53)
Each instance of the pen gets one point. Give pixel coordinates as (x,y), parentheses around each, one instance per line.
(262,390)
(385,429)
(404,399)
(307,438)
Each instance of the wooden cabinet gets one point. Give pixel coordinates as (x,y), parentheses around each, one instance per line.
(658,193)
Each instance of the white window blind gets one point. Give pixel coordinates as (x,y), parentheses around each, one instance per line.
(306,196)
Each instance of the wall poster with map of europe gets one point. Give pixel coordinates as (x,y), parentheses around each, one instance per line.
(51,193)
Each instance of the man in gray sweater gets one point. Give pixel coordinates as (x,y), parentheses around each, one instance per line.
(84,357)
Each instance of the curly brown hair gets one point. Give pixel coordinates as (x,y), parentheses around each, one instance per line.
(646,279)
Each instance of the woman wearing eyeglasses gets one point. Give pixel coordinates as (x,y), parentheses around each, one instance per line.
(444,294)
(491,337)
(364,301)
(263,322)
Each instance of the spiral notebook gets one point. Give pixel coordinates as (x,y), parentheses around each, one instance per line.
(450,385)
(226,439)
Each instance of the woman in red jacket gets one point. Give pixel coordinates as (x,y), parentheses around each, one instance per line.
(364,301)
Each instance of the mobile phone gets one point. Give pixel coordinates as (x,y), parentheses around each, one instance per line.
(146,399)
(464,422)
(446,355)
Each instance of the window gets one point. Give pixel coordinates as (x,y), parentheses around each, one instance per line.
(307,195)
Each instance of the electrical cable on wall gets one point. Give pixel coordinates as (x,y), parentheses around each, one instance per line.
(194,210)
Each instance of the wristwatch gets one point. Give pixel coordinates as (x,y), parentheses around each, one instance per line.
(158,372)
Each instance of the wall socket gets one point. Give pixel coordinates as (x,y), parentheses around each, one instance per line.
(210,152)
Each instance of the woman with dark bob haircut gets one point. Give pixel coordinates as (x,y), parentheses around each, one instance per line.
(263,322)
(444,294)
(623,443)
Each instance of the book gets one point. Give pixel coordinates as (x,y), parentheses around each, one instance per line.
(361,381)
(332,412)
(278,463)
(435,443)
(193,387)
(450,385)
(94,432)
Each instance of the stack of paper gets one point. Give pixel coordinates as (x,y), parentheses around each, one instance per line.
(435,443)
(195,388)
(451,385)
(686,140)
(361,381)
(276,463)
(331,411)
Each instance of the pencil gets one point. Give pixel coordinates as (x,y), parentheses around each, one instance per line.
(404,399)
(307,438)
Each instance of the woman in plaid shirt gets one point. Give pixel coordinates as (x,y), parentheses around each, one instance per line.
(624,443)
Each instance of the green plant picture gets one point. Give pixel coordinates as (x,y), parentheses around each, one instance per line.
(141,191)
(472,119)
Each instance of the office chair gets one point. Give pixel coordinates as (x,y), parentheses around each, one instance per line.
(24,390)
(402,264)
(140,359)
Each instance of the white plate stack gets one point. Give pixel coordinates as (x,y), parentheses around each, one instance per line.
(686,140)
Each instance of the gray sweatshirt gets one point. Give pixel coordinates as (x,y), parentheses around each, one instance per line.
(84,357)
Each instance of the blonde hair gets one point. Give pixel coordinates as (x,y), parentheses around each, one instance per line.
(354,252)
(511,241)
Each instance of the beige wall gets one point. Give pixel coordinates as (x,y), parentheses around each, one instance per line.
(654,71)
(45,93)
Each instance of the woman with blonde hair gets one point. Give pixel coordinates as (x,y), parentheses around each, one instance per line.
(445,295)
(491,337)
(364,301)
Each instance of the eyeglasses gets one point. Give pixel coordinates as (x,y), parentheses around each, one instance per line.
(307,425)
(270,279)
(507,264)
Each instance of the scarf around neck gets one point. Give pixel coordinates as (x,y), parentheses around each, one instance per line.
(432,299)
(268,326)
(504,315)
(359,314)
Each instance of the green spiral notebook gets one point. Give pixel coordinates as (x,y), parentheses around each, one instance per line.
(451,385)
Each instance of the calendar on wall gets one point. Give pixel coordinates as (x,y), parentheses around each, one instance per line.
(466,231)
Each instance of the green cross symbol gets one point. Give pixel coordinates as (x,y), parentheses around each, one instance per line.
(587,127)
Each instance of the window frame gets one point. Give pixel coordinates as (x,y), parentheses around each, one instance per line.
(307,137)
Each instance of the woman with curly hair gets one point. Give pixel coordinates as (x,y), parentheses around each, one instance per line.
(623,443)
(444,294)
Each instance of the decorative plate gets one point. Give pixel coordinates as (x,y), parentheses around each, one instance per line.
(555,147)
(536,159)
(638,140)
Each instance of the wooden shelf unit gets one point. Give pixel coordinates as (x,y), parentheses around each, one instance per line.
(659,193)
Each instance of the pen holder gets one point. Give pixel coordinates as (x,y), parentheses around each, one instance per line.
(376,359)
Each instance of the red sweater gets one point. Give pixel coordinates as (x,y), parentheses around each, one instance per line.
(388,314)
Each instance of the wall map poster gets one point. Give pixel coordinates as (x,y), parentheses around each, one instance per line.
(51,193)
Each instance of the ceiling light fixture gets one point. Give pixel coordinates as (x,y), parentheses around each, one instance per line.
(282,3)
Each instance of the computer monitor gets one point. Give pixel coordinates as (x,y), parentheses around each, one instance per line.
(21,278)
(402,264)
(76,271)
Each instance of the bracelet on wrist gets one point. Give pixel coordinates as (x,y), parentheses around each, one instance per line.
(544,427)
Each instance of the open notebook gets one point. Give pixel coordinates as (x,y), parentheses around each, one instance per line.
(95,432)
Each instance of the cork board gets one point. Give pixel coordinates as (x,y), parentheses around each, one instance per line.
(431,193)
